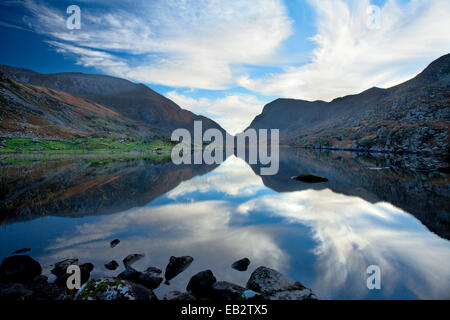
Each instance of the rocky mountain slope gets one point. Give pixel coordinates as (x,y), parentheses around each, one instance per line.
(33,111)
(136,102)
(412,116)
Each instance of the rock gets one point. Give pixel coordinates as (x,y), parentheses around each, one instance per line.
(273,285)
(85,268)
(21,268)
(113,289)
(444,170)
(114,243)
(132,258)
(149,278)
(60,268)
(200,285)
(130,274)
(22,250)
(179,296)
(177,265)
(241,265)
(14,291)
(226,291)
(112,265)
(310,178)
(42,290)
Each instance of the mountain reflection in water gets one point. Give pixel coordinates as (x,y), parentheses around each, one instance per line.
(324,235)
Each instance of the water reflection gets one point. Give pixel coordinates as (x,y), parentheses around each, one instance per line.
(324,238)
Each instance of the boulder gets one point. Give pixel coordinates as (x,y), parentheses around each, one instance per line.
(114,243)
(274,285)
(200,285)
(310,178)
(85,270)
(23,250)
(226,291)
(241,265)
(20,268)
(60,268)
(179,296)
(177,265)
(113,289)
(112,265)
(132,258)
(14,291)
(149,278)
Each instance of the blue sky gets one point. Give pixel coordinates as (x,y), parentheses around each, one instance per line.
(226,59)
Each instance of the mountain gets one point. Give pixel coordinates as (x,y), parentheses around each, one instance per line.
(412,116)
(139,104)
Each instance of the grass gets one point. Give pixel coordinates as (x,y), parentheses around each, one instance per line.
(26,150)
(82,145)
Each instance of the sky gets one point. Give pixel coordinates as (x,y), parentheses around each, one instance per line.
(227,59)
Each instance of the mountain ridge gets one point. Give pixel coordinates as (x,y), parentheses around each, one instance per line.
(132,100)
(410,117)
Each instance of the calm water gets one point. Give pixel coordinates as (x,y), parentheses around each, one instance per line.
(373,211)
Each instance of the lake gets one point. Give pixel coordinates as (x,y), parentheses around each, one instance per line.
(384,210)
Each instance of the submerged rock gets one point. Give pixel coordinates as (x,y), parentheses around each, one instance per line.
(113,289)
(309,178)
(178,295)
(274,285)
(149,278)
(114,243)
(200,285)
(241,265)
(176,266)
(21,269)
(132,258)
(60,268)
(22,250)
(112,265)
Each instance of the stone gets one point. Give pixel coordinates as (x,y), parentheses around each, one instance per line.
(241,265)
(226,291)
(149,278)
(113,289)
(85,270)
(60,268)
(132,258)
(22,250)
(310,178)
(177,265)
(21,268)
(14,291)
(114,243)
(200,285)
(274,285)
(112,265)
(179,296)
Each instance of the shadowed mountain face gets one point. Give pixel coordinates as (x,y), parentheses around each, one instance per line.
(134,101)
(388,178)
(81,188)
(412,116)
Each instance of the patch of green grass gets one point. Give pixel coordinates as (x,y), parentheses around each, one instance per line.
(81,145)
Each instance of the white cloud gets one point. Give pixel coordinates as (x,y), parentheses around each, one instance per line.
(352,234)
(350,57)
(189,44)
(233,111)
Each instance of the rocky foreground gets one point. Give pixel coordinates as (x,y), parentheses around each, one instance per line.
(21,279)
